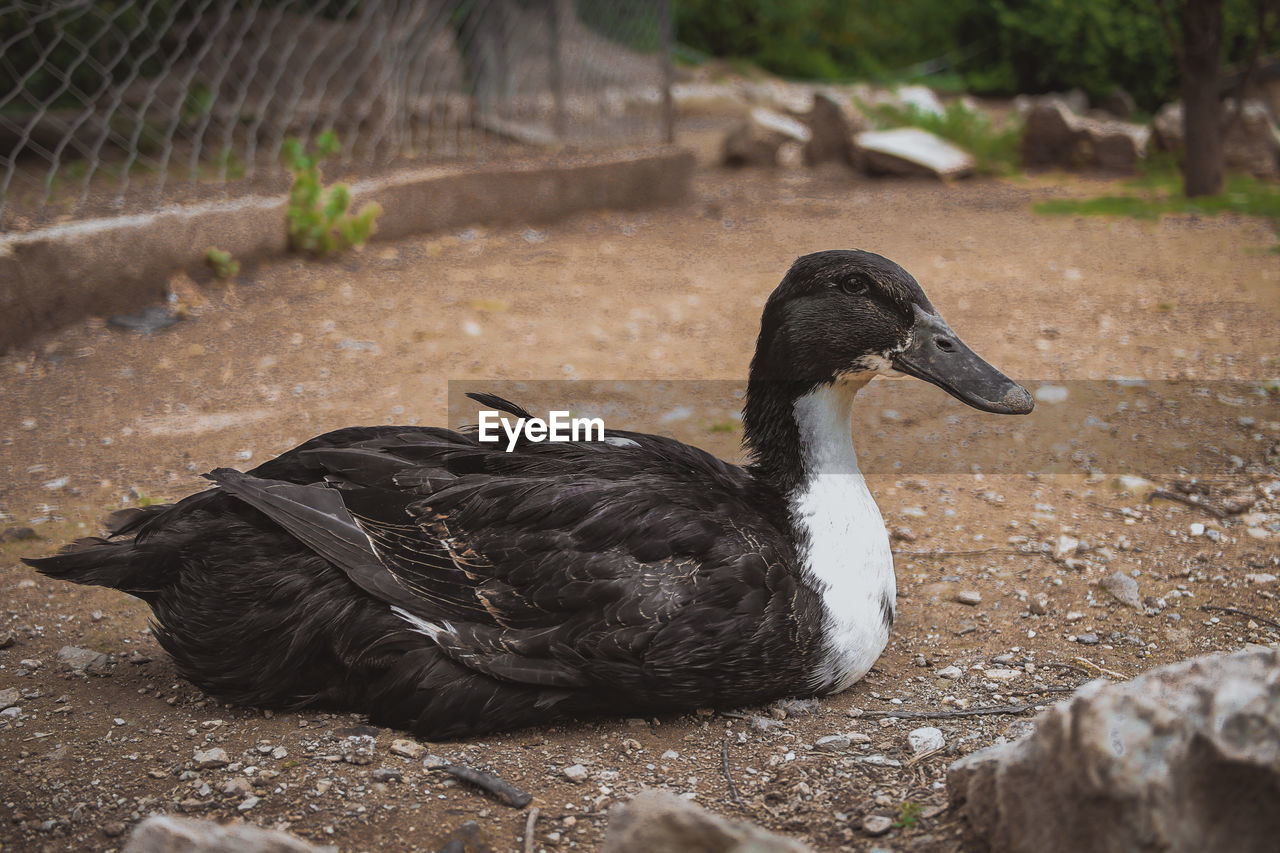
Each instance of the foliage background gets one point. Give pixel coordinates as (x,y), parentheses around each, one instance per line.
(985,46)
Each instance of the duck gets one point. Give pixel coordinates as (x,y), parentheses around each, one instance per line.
(448,586)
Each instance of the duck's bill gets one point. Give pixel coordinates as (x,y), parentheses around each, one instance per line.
(937,355)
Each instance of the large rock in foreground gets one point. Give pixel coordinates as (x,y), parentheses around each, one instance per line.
(908,151)
(166,834)
(654,821)
(1184,759)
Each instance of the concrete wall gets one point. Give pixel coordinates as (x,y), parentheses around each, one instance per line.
(55,276)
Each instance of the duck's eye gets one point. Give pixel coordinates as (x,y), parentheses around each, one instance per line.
(854,287)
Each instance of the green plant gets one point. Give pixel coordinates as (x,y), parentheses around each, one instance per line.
(319,219)
(908,815)
(223,265)
(995,150)
(1158,190)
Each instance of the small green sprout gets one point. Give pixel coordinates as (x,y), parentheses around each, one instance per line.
(223,265)
(319,221)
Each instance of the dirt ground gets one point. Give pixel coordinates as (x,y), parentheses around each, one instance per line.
(94,418)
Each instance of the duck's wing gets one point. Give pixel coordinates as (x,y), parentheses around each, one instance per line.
(559,565)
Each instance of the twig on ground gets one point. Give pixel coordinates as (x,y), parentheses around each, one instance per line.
(943,715)
(1245,613)
(1186,500)
(1044,690)
(955,553)
(922,756)
(1109,673)
(1067,666)
(724,768)
(504,791)
(528,829)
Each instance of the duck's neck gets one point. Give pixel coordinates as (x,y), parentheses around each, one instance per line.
(793,434)
(803,446)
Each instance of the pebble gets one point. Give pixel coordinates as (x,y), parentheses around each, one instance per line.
(875,824)
(575,773)
(238,786)
(1260,577)
(279,752)
(1087,639)
(406,748)
(1064,547)
(1040,604)
(248,803)
(1074,616)
(1123,588)
(970,597)
(216,757)
(951,672)
(83,660)
(1002,674)
(358,749)
(30,664)
(9,697)
(925,739)
(832,743)
(1196,529)
(387,774)
(670,755)
(7,639)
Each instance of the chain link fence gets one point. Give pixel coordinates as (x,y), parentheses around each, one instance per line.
(112,107)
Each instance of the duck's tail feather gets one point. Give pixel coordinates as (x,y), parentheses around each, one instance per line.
(136,570)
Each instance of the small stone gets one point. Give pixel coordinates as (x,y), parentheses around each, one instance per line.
(926,739)
(970,597)
(387,774)
(1074,616)
(951,672)
(1196,529)
(209,758)
(575,773)
(83,660)
(113,829)
(9,697)
(670,755)
(832,743)
(1123,588)
(248,803)
(406,748)
(1040,604)
(138,658)
(1260,577)
(1087,639)
(875,824)
(279,752)
(238,786)
(1065,546)
(31,664)
(1002,674)
(7,639)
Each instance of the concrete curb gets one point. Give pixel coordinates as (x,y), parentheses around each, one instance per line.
(55,276)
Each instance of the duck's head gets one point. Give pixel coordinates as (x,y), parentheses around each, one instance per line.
(845,314)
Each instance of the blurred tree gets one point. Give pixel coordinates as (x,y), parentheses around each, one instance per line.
(1198,46)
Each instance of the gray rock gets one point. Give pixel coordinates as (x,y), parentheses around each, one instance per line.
(1123,588)
(1183,758)
(208,758)
(167,834)
(387,774)
(970,597)
(831,133)
(238,786)
(406,748)
(655,821)
(756,141)
(575,773)
(876,824)
(1089,639)
(910,151)
(926,739)
(1056,137)
(951,672)
(83,660)
(832,743)
(9,697)
(358,749)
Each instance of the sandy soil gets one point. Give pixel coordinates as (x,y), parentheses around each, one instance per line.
(94,418)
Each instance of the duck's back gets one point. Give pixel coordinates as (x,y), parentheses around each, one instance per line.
(446,585)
